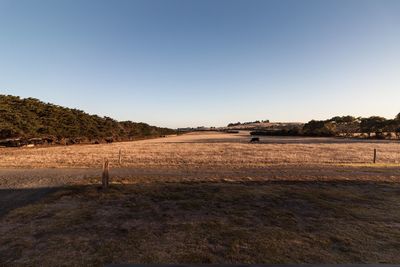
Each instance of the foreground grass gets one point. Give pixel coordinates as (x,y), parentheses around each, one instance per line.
(205,222)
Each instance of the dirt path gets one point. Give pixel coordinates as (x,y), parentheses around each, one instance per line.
(42,178)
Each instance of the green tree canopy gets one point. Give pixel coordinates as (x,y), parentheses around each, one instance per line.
(373,124)
(31,118)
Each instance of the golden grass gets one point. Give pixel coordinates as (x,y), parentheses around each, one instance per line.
(202,198)
(206,150)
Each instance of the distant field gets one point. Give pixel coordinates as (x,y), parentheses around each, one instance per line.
(202,198)
(207,150)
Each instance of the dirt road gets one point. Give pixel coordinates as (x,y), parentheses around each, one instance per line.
(41,178)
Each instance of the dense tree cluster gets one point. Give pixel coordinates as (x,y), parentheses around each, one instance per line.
(31,118)
(346,126)
(246,123)
(351,125)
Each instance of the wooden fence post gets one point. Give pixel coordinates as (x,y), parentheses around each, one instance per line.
(120,157)
(105,177)
(374,155)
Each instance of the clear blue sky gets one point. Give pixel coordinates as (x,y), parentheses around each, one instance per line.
(193,63)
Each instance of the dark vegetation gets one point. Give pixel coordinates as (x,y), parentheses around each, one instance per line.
(246,123)
(283,131)
(32,121)
(231,131)
(345,126)
(374,126)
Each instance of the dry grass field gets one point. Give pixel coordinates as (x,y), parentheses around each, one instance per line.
(202,198)
(209,150)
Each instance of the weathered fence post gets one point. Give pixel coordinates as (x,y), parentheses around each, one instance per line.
(120,157)
(374,155)
(105,177)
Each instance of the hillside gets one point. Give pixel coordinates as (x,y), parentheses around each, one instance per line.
(31,118)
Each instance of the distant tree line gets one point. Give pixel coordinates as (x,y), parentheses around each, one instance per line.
(246,123)
(345,126)
(31,118)
(374,126)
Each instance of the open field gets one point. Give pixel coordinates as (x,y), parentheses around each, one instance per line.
(202,198)
(206,150)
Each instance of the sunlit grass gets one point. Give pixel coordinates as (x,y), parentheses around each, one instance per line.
(206,150)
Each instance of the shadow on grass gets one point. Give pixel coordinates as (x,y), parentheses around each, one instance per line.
(14,198)
(207,222)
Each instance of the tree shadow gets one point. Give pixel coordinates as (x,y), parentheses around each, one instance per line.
(14,198)
(203,222)
(11,199)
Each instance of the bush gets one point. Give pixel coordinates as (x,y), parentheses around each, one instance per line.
(320,128)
